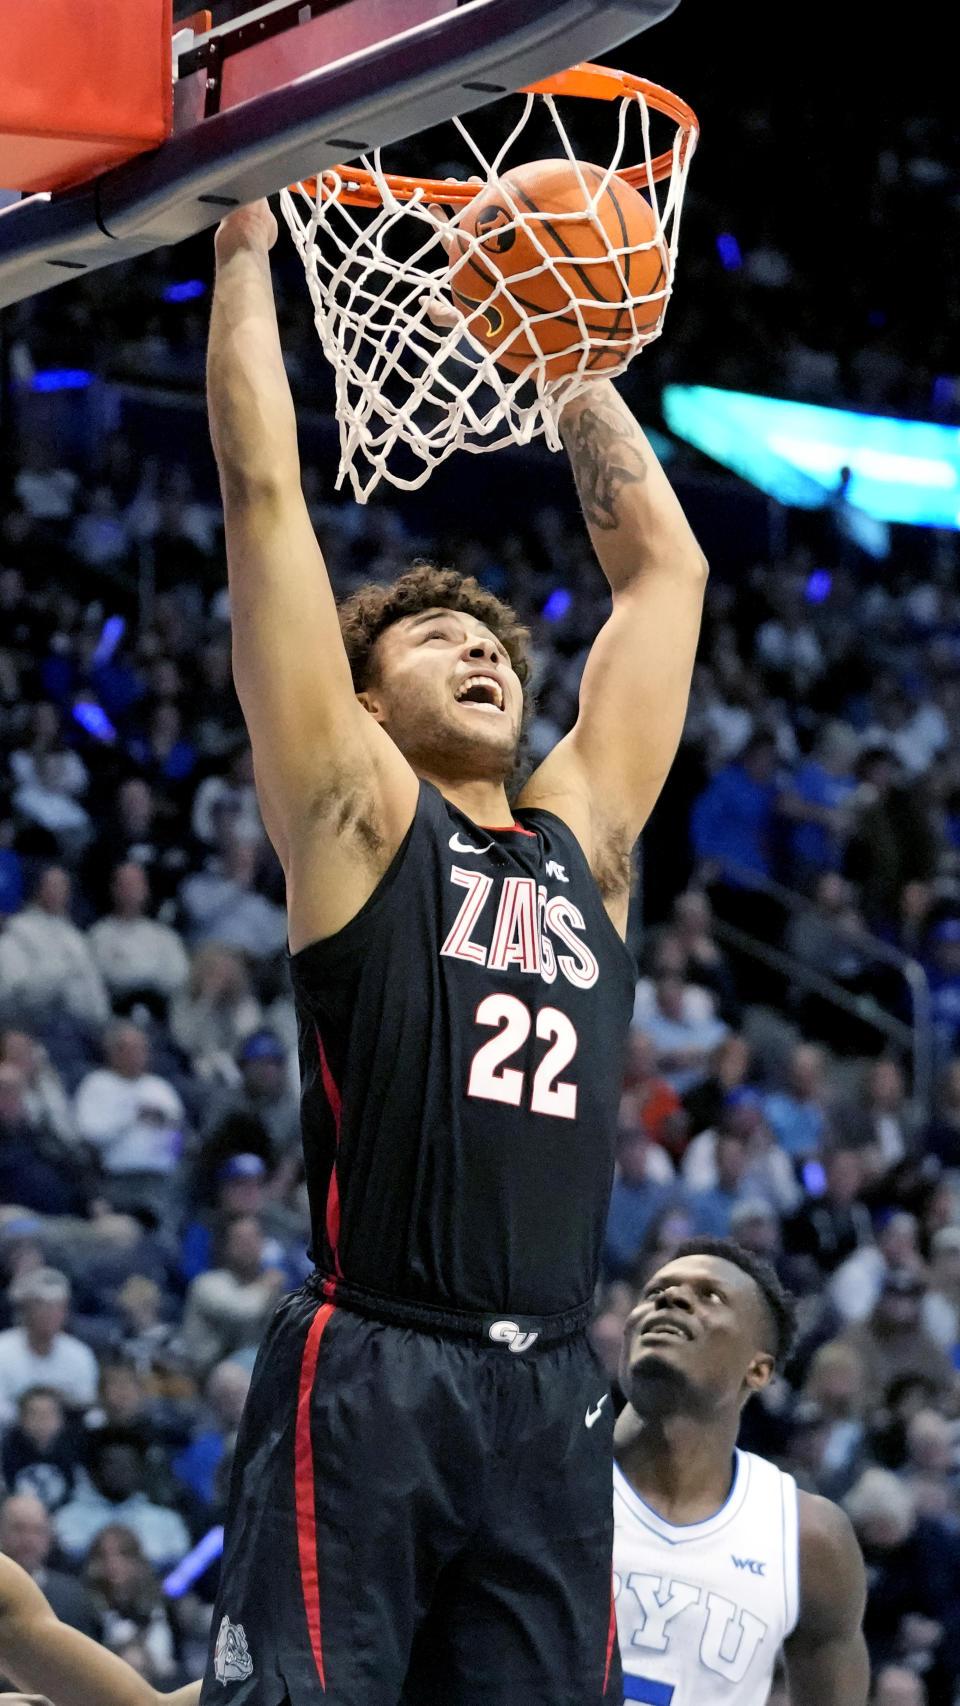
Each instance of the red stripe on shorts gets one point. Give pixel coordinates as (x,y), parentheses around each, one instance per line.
(611,1635)
(332,1093)
(305,1496)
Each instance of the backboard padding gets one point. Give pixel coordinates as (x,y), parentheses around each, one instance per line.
(392,89)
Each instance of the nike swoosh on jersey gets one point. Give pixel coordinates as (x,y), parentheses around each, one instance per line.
(467,846)
(594,1415)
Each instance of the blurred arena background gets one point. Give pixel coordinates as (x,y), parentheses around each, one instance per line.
(794,1074)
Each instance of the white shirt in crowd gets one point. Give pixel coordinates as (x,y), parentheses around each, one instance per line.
(63,771)
(698,1003)
(694,1039)
(46,1103)
(219,910)
(161,1532)
(659,1167)
(855,1285)
(888,1132)
(48,494)
(70,1367)
(941,1319)
(917,743)
(45,961)
(138,953)
(53,811)
(224,1314)
(135,1123)
(768,1174)
(217,791)
(795,649)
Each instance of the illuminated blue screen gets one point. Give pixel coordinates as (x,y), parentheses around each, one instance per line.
(907,471)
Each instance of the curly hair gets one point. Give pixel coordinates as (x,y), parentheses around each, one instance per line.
(369,611)
(779,1303)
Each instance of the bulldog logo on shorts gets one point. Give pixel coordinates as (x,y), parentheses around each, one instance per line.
(231,1655)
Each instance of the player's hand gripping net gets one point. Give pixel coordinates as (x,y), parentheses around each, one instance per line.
(414,380)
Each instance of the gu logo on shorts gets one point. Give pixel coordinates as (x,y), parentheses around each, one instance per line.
(509,1334)
(231,1655)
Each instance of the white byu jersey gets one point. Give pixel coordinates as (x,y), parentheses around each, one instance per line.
(703,1610)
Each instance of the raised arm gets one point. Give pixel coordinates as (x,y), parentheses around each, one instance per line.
(45,1657)
(605,776)
(827,1663)
(336,796)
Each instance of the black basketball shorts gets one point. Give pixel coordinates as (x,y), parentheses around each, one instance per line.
(417,1518)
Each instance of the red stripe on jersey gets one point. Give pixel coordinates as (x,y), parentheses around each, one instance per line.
(506,828)
(330,1089)
(304,1491)
(333,1217)
(611,1635)
(332,1093)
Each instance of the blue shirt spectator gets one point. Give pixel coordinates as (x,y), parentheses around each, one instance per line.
(818,791)
(11,882)
(643,1187)
(201,1465)
(683,1041)
(799,1126)
(943,971)
(797,1114)
(733,819)
(712,1208)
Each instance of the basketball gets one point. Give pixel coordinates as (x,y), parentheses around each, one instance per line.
(594,261)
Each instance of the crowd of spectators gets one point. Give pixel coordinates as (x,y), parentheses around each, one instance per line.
(152,1205)
(152,1198)
(825,1164)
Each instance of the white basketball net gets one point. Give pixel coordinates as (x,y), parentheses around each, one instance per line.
(410,391)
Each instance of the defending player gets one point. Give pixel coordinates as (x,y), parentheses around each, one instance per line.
(421,1497)
(718,1559)
(52,1661)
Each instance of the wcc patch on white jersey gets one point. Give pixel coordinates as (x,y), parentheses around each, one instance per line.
(703,1610)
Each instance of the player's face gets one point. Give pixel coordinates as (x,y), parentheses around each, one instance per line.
(692,1342)
(447,694)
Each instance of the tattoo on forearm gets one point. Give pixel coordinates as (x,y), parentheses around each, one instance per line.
(605,456)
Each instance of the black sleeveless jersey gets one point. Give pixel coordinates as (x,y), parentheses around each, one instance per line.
(461,1048)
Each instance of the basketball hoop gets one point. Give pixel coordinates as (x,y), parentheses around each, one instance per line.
(414,381)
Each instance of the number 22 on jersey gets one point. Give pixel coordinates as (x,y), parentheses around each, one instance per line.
(492,1080)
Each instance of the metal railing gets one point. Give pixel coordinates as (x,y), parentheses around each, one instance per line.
(915,1037)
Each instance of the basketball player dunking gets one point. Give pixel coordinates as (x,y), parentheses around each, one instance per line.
(420,1508)
(718,1559)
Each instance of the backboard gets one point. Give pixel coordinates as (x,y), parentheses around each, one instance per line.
(267,94)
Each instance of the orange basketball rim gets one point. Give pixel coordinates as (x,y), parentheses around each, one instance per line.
(357,187)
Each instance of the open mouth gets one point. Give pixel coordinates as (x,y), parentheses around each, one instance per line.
(661,1329)
(481,692)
